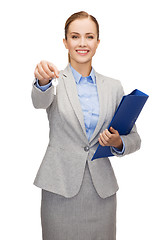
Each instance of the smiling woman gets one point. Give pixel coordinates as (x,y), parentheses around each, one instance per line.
(81,40)
(79,195)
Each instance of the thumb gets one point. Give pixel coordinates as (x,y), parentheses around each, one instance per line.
(112,130)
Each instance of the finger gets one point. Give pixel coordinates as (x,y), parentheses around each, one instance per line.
(102,139)
(37,75)
(108,134)
(106,138)
(113,130)
(47,70)
(101,143)
(53,68)
(42,72)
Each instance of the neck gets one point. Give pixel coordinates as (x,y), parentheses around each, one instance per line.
(83,68)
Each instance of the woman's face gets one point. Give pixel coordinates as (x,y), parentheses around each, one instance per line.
(81,40)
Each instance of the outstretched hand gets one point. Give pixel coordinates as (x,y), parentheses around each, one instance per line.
(45,71)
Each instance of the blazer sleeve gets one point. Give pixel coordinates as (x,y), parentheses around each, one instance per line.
(132,141)
(42,99)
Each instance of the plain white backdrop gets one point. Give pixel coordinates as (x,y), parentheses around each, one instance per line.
(133,50)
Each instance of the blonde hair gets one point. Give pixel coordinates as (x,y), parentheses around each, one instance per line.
(80,15)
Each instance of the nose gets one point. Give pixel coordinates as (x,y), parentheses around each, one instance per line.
(82,42)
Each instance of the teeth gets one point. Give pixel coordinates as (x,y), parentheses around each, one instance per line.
(82,51)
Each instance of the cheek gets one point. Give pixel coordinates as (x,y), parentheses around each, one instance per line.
(93,46)
(71,45)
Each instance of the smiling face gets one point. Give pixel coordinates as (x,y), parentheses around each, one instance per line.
(81,41)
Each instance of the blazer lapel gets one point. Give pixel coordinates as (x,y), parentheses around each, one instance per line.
(71,90)
(103,104)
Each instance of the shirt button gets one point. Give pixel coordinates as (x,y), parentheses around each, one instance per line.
(86,149)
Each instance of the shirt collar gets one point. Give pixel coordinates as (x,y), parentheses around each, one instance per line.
(78,76)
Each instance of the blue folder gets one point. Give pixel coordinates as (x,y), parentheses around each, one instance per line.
(124,118)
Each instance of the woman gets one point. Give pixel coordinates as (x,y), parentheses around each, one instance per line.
(79,195)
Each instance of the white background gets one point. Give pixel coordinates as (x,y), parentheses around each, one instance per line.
(133,50)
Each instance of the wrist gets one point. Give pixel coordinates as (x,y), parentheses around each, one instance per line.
(43,82)
(119,146)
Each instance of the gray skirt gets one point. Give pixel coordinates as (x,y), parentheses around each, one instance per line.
(85,216)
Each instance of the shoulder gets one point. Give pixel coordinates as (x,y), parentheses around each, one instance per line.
(109,80)
(112,86)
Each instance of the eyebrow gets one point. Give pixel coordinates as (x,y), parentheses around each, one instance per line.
(79,33)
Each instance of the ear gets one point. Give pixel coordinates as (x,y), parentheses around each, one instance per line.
(98,41)
(65,43)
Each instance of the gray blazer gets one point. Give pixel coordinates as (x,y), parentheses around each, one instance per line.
(63,165)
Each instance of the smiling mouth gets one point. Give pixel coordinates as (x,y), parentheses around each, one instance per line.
(82,52)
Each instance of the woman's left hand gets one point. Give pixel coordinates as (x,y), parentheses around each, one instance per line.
(111,139)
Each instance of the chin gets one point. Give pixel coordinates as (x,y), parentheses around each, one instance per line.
(82,60)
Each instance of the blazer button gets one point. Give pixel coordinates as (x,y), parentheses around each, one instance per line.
(86,149)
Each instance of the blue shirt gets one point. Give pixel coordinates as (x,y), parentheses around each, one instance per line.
(88,96)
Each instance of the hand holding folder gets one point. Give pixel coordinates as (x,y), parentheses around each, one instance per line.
(124,118)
